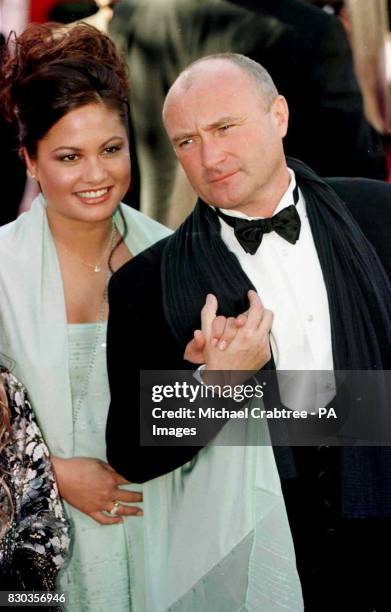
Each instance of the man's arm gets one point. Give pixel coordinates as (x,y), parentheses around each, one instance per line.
(131,347)
(153,348)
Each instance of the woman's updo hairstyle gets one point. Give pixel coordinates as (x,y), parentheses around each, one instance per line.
(50,70)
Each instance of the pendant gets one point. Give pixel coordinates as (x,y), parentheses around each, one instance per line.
(97,268)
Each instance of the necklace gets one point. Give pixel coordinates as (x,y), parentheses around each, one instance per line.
(98,335)
(97,267)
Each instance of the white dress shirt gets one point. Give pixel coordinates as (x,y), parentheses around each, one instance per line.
(289,281)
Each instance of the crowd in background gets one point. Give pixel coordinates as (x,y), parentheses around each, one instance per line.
(306,50)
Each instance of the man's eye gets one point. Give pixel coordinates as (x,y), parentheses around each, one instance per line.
(225,127)
(184,143)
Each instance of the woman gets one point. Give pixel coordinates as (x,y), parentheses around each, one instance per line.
(66,90)
(34,537)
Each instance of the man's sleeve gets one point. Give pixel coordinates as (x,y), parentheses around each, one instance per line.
(132,346)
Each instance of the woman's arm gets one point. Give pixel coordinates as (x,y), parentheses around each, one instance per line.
(92,486)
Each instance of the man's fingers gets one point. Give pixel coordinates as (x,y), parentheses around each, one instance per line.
(265,325)
(208,314)
(255,312)
(230,331)
(194,351)
(241,319)
(218,326)
(199,339)
(262,334)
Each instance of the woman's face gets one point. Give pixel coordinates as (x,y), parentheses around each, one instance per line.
(83,164)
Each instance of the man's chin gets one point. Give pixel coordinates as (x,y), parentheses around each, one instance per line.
(220,201)
(227,204)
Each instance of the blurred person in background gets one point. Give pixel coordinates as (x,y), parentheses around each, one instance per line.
(13,17)
(34,537)
(305,50)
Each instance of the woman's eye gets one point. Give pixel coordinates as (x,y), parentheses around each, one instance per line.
(69,158)
(112,149)
(225,127)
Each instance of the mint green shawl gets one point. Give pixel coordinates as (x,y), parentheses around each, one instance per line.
(33,325)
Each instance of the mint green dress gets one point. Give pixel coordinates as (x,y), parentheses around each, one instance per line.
(105,567)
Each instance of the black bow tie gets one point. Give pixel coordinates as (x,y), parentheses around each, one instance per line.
(249,234)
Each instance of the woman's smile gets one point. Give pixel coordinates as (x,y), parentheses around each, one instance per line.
(94,196)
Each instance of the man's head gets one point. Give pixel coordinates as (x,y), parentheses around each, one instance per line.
(226,122)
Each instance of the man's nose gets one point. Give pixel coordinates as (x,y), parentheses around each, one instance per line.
(212,154)
(94,171)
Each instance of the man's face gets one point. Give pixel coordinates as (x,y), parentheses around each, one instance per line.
(228,143)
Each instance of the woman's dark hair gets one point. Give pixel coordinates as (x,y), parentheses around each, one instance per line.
(51,69)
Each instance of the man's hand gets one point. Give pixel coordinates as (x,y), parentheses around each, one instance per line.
(223,332)
(248,349)
(92,486)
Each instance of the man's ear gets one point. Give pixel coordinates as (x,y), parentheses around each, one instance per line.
(280,113)
(31,165)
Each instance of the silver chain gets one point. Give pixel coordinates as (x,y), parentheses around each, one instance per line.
(97,267)
(99,327)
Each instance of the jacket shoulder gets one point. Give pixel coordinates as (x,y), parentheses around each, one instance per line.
(366,198)
(369,202)
(142,269)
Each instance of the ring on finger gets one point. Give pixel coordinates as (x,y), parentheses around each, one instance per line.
(115,508)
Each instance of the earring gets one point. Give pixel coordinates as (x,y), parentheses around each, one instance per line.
(30,175)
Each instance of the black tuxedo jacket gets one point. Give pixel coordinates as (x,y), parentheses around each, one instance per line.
(140,339)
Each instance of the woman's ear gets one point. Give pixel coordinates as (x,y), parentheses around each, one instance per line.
(30,164)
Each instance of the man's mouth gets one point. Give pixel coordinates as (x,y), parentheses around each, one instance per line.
(224,177)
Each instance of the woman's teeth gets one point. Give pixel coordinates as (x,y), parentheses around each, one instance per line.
(93,194)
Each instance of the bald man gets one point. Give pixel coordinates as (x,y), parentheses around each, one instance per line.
(265,223)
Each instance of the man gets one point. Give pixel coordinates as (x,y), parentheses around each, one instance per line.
(313,268)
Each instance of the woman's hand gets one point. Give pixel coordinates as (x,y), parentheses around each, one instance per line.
(92,486)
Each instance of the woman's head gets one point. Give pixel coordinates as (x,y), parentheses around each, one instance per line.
(66,91)
(50,70)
